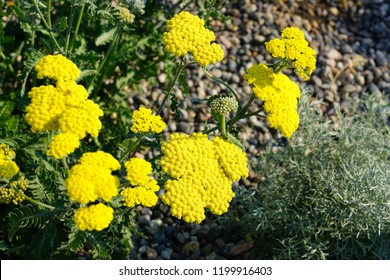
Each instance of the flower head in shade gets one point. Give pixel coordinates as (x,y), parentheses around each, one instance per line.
(8,168)
(144,121)
(187,34)
(14,193)
(203,172)
(294,48)
(280,96)
(125,15)
(94,217)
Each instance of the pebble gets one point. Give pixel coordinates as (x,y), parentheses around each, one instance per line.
(381,58)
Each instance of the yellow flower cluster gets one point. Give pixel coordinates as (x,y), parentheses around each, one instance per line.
(14,193)
(144,121)
(280,96)
(57,67)
(204,171)
(94,217)
(138,171)
(8,168)
(92,179)
(63,107)
(186,33)
(294,48)
(126,15)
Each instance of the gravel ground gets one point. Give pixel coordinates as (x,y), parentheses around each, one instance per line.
(353,46)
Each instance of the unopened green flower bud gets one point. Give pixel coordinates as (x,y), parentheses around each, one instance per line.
(224,105)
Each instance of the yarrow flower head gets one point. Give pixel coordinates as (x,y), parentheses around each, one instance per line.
(223,105)
(187,34)
(94,217)
(92,179)
(126,15)
(63,107)
(8,168)
(143,193)
(14,193)
(203,172)
(63,144)
(144,121)
(280,96)
(294,48)
(57,67)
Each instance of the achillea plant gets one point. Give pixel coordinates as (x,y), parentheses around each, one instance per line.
(78,175)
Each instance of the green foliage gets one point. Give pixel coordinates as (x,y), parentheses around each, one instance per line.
(326,193)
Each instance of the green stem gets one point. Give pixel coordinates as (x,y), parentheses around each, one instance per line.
(69,27)
(172,84)
(49,14)
(222,82)
(242,112)
(255,113)
(208,131)
(209,10)
(132,148)
(47,26)
(44,205)
(65,164)
(106,56)
(76,31)
(223,125)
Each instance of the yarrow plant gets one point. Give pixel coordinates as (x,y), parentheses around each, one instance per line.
(83,166)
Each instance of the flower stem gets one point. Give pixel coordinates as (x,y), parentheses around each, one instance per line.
(255,113)
(44,205)
(106,56)
(172,84)
(209,10)
(132,148)
(242,112)
(69,28)
(76,31)
(48,27)
(223,125)
(49,14)
(65,164)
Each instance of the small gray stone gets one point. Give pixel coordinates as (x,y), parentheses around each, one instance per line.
(349,88)
(167,254)
(360,79)
(151,254)
(182,237)
(146,211)
(381,58)
(144,219)
(334,54)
